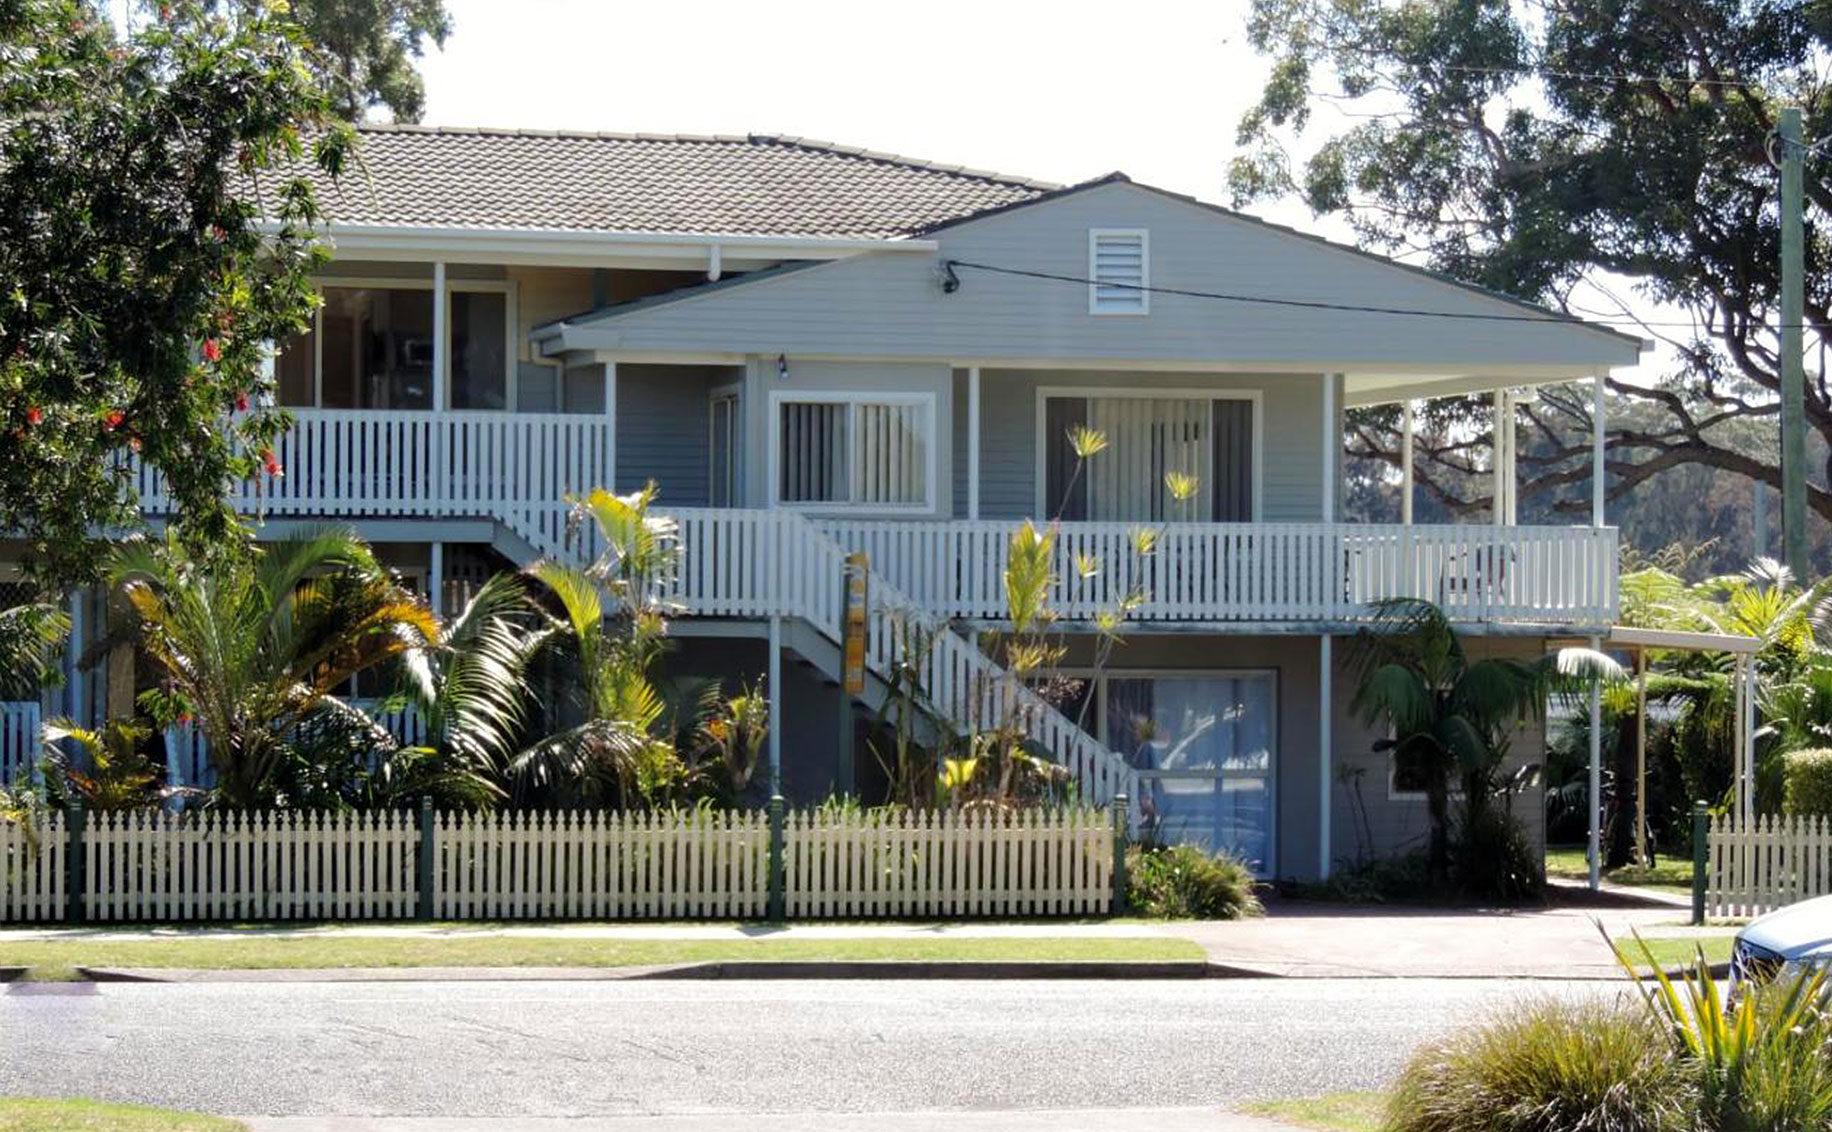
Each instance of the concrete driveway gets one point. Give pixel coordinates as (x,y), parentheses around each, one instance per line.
(1298,938)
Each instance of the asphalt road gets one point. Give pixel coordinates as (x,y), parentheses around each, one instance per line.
(609,1048)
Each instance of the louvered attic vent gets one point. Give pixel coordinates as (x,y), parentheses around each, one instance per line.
(1119,263)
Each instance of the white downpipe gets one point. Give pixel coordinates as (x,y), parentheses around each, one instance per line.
(1326,674)
(973,442)
(1596,777)
(1407,426)
(774,679)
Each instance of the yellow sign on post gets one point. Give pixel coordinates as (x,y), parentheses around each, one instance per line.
(856,623)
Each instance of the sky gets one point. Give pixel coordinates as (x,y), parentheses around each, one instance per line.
(1060,92)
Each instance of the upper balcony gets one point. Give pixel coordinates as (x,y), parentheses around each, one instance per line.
(514,469)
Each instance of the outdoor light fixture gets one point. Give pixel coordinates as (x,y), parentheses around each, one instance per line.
(782,367)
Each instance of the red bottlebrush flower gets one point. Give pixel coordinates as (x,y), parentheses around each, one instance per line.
(272,463)
(241,402)
(212,351)
(114,418)
(218,233)
(34,415)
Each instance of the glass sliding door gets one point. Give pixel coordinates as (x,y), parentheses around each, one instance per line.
(1202,744)
(1152,441)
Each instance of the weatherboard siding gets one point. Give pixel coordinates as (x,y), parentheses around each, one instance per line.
(892,303)
(662,430)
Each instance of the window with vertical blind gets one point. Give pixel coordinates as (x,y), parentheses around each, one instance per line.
(854,450)
(1119,270)
(1150,437)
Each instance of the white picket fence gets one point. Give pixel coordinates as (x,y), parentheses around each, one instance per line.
(511,866)
(154,866)
(948,863)
(1759,864)
(32,870)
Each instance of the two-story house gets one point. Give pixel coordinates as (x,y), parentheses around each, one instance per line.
(817,350)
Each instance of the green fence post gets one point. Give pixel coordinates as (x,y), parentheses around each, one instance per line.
(1701,836)
(426,880)
(1121,816)
(76,869)
(777,910)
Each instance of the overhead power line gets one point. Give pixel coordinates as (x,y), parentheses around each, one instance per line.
(1314,304)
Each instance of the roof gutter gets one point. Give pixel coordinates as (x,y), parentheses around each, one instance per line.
(547,244)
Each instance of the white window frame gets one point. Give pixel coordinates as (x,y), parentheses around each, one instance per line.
(1091,392)
(734,392)
(853,398)
(1275,754)
(511,356)
(1095,235)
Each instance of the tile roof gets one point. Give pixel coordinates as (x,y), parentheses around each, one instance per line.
(755,185)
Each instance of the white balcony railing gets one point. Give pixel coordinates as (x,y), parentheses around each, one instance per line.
(19,741)
(517,467)
(1221,572)
(340,462)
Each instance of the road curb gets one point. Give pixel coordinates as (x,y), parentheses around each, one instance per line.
(732,969)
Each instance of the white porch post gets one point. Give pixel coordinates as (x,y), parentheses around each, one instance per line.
(1596,776)
(435,580)
(610,429)
(1747,710)
(1406,427)
(774,678)
(79,640)
(1326,673)
(973,442)
(1596,453)
(1498,458)
(442,360)
(1329,447)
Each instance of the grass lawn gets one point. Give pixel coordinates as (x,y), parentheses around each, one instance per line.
(1332,1112)
(23,1115)
(1674,875)
(1680,951)
(57,959)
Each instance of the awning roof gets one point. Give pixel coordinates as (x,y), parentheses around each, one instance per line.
(1632,637)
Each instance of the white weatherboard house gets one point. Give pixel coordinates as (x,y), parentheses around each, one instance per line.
(816,350)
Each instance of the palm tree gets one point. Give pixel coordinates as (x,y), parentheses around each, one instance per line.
(611,627)
(1453,716)
(255,651)
(31,635)
(469,686)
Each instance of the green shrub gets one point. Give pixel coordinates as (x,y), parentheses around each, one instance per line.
(1491,859)
(1762,1063)
(1807,781)
(1183,882)
(1548,1066)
